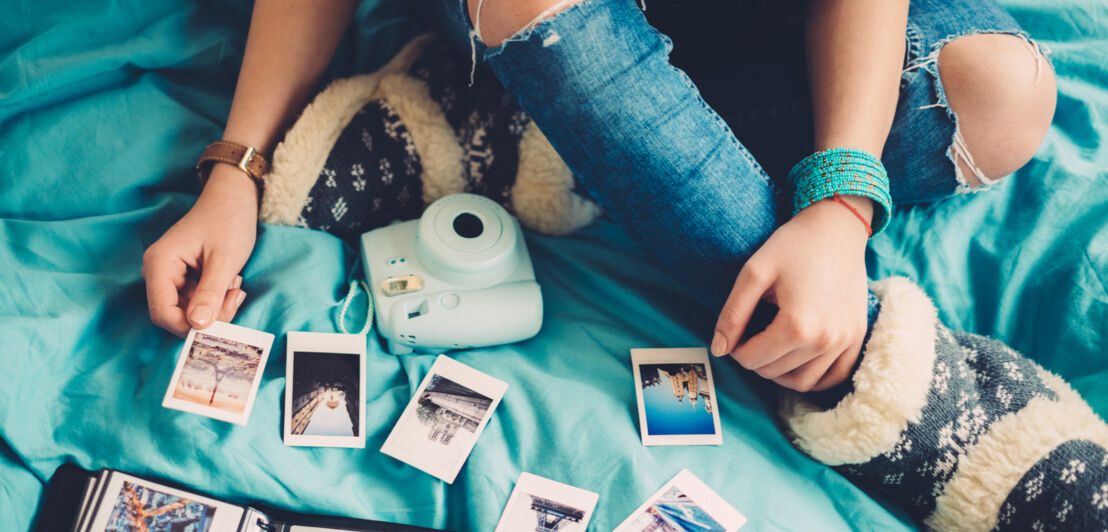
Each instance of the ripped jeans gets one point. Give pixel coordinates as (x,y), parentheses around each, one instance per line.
(696,173)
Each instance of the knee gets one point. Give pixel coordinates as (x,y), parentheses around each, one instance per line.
(497,20)
(1003,92)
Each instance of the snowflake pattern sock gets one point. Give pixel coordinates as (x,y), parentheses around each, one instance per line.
(963,431)
(486,123)
(1066,490)
(377,148)
(371,177)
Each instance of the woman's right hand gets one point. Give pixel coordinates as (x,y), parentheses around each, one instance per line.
(192,271)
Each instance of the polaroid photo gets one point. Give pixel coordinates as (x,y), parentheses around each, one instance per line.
(325,390)
(684,504)
(218,372)
(129,503)
(676,396)
(539,503)
(440,425)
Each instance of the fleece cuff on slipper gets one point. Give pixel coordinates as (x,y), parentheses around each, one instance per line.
(379,147)
(947,423)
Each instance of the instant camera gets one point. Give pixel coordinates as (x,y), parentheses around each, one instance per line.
(458,277)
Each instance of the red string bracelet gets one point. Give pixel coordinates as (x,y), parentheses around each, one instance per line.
(869,230)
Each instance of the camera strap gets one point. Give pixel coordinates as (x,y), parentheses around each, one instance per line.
(351,292)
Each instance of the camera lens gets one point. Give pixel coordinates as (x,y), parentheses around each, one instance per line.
(468,225)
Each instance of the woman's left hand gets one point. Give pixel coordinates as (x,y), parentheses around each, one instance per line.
(813,268)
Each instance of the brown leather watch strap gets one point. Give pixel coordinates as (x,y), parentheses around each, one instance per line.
(244,157)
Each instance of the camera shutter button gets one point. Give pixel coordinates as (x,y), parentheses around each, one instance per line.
(449,300)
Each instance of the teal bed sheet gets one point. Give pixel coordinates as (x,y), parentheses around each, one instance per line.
(104,106)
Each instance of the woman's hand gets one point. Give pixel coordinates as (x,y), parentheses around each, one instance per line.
(191,272)
(813,268)
(287,49)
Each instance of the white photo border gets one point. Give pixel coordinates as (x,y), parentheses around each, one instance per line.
(710,501)
(531,484)
(464,375)
(680,355)
(317,342)
(228,331)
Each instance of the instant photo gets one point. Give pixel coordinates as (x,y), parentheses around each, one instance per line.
(325,393)
(676,397)
(440,425)
(539,503)
(218,372)
(684,504)
(128,503)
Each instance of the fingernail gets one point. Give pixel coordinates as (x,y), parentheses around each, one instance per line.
(237,282)
(718,345)
(201,315)
(239,297)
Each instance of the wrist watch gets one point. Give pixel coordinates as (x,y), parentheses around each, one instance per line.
(245,158)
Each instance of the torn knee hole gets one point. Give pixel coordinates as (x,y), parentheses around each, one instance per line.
(497,21)
(963,54)
(1000,100)
(969,175)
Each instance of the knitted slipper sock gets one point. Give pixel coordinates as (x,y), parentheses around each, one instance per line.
(1066,490)
(371,177)
(379,147)
(488,126)
(963,431)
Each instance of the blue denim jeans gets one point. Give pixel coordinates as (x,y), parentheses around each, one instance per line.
(675,174)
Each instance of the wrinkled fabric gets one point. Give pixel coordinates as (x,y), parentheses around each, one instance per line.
(104,107)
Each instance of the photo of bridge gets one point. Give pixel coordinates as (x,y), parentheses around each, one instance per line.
(325,394)
(553,516)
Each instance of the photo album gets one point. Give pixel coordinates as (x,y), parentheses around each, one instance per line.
(112,501)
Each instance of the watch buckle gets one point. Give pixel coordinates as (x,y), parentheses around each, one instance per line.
(246,160)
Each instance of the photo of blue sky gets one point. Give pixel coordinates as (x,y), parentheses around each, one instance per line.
(676,399)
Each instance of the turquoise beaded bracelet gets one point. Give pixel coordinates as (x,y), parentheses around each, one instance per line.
(843,171)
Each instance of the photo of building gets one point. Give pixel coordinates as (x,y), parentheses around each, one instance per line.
(446,406)
(218,373)
(141,509)
(325,394)
(677,399)
(675,512)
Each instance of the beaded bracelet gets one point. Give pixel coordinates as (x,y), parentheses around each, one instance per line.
(843,171)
